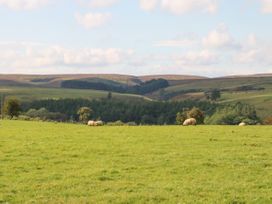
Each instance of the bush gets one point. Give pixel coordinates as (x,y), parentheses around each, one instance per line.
(36,119)
(132,124)
(14,118)
(268,121)
(24,117)
(181,117)
(233,115)
(45,115)
(84,114)
(12,107)
(197,114)
(116,123)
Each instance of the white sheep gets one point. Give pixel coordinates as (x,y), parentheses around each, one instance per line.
(99,123)
(190,121)
(91,123)
(243,124)
(95,123)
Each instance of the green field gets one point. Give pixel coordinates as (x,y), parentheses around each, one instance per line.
(35,93)
(64,163)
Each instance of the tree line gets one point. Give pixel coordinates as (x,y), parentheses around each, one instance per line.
(110,110)
(141,89)
(131,111)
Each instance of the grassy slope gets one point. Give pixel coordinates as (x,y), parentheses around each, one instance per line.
(223,83)
(62,163)
(261,99)
(33,93)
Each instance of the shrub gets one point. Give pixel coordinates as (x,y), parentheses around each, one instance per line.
(23,117)
(44,114)
(116,123)
(268,121)
(234,114)
(197,114)
(132,124)
(181,117)
(12,107)
(84,114)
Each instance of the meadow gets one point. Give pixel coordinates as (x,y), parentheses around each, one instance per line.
(64,163)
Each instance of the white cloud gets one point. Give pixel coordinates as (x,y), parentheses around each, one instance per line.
(98,3)
(183,41)
(93,20)
(148,5)
(266,6)
(179,7)
(24,4)
(255,52)
(174,43)
(183,6)
(203,57)
(220,38)
(252,40)
(34,56)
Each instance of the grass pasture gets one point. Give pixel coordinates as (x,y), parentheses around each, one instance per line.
(64,163)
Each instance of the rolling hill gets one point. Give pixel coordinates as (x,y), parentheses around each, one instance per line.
(251,89)
(254,90)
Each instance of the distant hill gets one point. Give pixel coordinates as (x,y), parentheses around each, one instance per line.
(171,77)
(55,80)
(252,89)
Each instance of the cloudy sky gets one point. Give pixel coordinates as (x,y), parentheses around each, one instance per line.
(138,37)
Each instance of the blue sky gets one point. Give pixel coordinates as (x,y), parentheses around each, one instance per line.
(138,37)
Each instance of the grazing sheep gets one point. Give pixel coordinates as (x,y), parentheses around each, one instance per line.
(190,121)
(95,123)
(99,123)
(242,124)
(91,123)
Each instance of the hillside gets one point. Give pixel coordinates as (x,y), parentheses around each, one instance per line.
(38,93)
(55,80)
(252,89)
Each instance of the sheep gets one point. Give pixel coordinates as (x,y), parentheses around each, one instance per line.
(242,124)
(99,123)
(91,123)
(190,121)
(95,123)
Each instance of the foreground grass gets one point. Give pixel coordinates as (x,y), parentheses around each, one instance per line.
(62,163)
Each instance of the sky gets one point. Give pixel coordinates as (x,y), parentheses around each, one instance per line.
(137,37)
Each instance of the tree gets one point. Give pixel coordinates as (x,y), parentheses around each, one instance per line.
(233,114)
(197,114)
(181,117)
(213,95)
(12,107)
(147,119)
(109,97)
(84,114)
(2,105)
